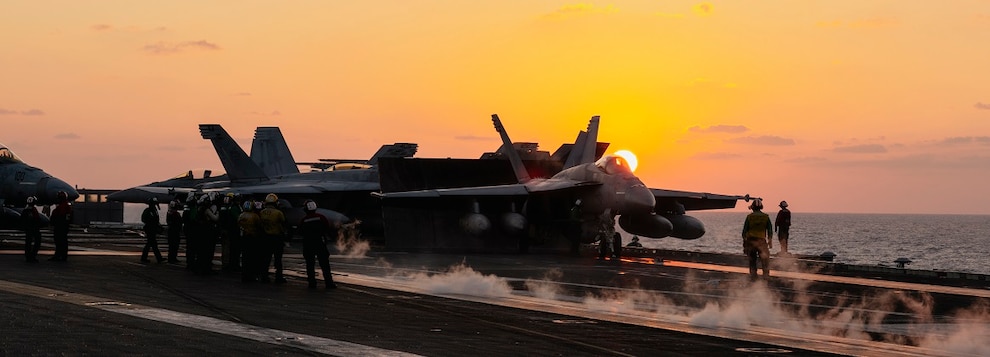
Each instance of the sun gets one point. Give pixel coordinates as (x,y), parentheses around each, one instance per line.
(629,157)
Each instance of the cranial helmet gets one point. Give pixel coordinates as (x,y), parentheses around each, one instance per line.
(271,198)
(247,205)
(783,204)
(310,205)
(191,198)
(30,200)
(257,205)
(757,204)
(173,204)
(62,196)
(577,202)
(153,201)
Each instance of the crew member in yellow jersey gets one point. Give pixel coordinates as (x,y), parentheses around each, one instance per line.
(274,228)
(756,233)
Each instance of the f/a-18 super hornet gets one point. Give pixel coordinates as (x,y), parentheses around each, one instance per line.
(18,181)
(341,190)
(604,189)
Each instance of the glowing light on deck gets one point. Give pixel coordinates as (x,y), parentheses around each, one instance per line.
(629,157)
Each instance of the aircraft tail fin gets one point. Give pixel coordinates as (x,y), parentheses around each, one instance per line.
(271,153)
(585,148)
(394,150)
(239,166)
(517,166)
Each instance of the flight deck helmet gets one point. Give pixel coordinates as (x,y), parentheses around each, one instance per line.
(153,201)
(757,204)
(31,200)
(271,198)
(783,204)
(310,206)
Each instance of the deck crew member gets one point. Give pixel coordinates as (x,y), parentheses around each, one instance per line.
(61,218)
(783,224)
(174,221)
(273,225)
(152,226)
(756,233)
(315,228)
(31,223)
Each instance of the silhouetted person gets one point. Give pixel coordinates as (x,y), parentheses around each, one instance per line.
(174,221)
(208,233)
(635,243)
(273,225)
(783,224)
(61,218)
(190,228)
(230,247)
(152,226)
(756,233)
(573,230)
(31,223)
(315,229)
(251,239)
(606,232)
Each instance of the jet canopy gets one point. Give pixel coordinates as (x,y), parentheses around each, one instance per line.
(197,174)
(613,165)
(7,156)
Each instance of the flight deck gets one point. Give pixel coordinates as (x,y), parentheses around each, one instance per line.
(103,301)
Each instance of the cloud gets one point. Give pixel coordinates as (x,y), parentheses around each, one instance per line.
(168,48)
(32,112)
(962,140)
(732,129)
(67,136)
(715,156)
(703,9)
(580,10)
(862,149)
(769,140)
(982,106)
(101,27)
(130,29)
(474,138)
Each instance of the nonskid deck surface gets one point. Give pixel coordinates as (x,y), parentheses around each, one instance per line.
(443,304)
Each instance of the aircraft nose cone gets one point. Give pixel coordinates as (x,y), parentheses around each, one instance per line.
(639,200)
(55,185)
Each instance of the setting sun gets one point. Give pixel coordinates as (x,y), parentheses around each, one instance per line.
(629,157)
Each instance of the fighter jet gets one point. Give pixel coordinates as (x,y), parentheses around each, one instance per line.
(342,194)
(607,185)
(18,181)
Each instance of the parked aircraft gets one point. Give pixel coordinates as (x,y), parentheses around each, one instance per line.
(606,185)
(18,181)
(342,194)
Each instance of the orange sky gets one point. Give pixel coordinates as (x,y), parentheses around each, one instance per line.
(835,106)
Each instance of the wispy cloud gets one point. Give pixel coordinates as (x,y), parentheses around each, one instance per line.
(474,138)
(572,10)
(732,129)
(168,48)
(32,112)
(715,156)
(67,136)
(768,140)
(963,140)
(982,106)
(131,29)
(862,149)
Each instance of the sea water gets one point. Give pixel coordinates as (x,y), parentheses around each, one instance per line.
(957,243)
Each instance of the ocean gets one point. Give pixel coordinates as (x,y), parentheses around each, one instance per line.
(956,243)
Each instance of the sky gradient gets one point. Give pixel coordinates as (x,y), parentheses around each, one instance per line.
(834,106)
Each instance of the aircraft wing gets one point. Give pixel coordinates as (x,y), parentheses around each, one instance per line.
(303,188)
(693,200)
(533,187)
(141,194)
